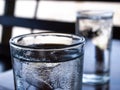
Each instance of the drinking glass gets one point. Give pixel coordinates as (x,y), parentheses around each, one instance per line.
(96,27)
(47,61)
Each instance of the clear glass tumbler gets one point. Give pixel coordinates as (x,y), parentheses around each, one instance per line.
(96,27)
(47,61)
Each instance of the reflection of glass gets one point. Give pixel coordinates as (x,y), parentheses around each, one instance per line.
(102,87)
(47,61)
(96,26)
(97,87)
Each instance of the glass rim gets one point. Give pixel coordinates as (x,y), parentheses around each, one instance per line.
(81,41)
(97,13)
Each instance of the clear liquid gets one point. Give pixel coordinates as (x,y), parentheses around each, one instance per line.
(97,49)
(96,65)
(64,74)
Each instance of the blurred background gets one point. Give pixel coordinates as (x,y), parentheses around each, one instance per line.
(28,16)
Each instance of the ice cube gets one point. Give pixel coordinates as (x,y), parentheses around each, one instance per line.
(61,76)
(37,75)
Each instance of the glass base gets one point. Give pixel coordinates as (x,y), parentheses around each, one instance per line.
(93,79)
